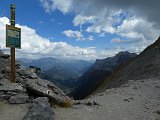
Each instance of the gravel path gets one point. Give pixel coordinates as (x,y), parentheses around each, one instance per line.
(136,100)
(12,112)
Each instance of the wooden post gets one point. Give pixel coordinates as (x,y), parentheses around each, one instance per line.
(13,68)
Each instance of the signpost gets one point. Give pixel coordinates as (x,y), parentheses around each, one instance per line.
(13,37)
(13,40)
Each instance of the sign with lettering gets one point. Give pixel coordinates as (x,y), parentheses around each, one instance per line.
(13,37)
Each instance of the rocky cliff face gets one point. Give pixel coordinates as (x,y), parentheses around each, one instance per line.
(145,65)
(95,75)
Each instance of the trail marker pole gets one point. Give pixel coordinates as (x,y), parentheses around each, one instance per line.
(13,68)
(13,40)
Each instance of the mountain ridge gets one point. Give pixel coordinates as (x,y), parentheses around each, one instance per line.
(92,78)
(145,65)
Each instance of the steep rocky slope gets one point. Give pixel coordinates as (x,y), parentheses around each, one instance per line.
(101,69)
(145,65)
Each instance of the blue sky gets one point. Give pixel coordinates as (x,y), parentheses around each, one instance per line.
(81,29)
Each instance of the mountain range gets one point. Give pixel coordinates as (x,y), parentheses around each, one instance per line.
(62,72)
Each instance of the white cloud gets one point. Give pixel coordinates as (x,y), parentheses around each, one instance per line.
(51,5)
(138,28)
(77,35)
(90,38)
(80,20)
(74,34)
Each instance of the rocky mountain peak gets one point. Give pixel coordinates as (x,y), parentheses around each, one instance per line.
(125,53)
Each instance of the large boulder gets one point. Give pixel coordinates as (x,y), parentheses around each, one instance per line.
(44,88)
(40,110)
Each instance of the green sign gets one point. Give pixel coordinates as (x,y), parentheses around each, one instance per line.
(13,37)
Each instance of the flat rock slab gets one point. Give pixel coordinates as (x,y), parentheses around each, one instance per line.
(19,99)
(15,87)
(40,110)
(41,89)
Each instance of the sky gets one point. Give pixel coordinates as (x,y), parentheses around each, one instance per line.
(82,29)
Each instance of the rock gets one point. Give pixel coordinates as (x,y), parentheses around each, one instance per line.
(40,110)
(95,103)
(19,99)
(158,112)
(136,87)
(12,93)
(1,93)
(84,102)
(28,73)
(157,86)
(126,100)
(89,104)
(146,107)
(5,56)
(1,76)
(39,87)
(18,65)
(4,96)
(14,87)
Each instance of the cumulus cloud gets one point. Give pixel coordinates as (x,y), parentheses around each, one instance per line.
(80,20)
(63,6)
(77,35)
(138,28)
(74,34)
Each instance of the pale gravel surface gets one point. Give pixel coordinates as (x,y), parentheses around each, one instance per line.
(13,112)
(143,97)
